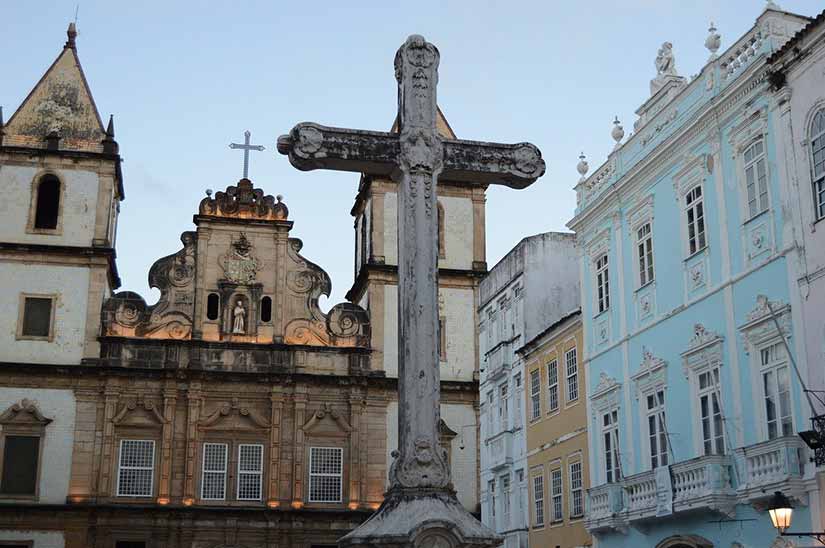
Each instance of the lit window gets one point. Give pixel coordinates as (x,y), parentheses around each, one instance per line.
(610,435)
(556,495)
(644,246)
(776,390)
(695,214)
(818,163)
(538,500)
(326,473)
(571,362)
(756,178)
(576,491)
(657,434)
(136,468)
(602,284)
(713,433)
(535,395)
(553,386)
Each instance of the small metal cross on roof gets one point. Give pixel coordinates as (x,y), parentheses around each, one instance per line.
(246,147)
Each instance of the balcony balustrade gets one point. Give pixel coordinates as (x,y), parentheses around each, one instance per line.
(775,465)
(501,450)
(499,360)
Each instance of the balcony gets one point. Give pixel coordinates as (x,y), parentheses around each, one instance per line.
(499,360)
(775,465)
(703,482)
(501,450)
(605,504)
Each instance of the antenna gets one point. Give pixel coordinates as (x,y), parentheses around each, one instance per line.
(76,9)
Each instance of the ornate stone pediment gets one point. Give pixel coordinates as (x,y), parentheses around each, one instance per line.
(244,202)
(25,412)
(233,416)
(606,393)
(703,348)
(139,412)
(326,421)
(759,326)
(652,371)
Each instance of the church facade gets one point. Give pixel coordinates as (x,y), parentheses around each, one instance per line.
(232,412)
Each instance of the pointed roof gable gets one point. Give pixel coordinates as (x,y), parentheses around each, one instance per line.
(60,102)
(441,124)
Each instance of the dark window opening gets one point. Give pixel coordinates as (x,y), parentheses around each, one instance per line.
(212,304)
(20,455)
(37,317)
(130,544)
(48,202)
(266,309)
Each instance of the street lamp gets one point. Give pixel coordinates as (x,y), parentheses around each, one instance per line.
(781,512)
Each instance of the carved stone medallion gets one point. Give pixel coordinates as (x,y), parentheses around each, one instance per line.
(239,265)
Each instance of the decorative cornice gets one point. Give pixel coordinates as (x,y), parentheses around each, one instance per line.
(24,412)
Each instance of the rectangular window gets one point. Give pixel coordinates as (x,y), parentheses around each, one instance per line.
(552,386)
(713,433)
(517,400)
(644,246)
(610,435)
(326,473)
(503,407)
(818,163)
(576,491)
(695,212)
(756,178)
(491,487)
(213,481)
(535,395)
(602,284)
(538,499)
(572,364)
(36,320)
(505,497)
(20,463)
(776,391)
(556,496)
(250,471)
(136,468)
(656,432)
(442,338)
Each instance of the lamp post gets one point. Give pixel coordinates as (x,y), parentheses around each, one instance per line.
(781,512)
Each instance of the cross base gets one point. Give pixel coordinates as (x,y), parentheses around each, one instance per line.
(421,518)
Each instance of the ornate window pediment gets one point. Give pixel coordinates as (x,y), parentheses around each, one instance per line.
(652,373)
(759,327)
(139,412)
(234,416)
(704,348)
(326,421)
(606,394)
(25,413)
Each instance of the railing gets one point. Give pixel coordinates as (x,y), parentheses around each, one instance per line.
(775,465)
(704,481)
(741,54)
(641,492)
(499,359)
(501,450)
(603,506)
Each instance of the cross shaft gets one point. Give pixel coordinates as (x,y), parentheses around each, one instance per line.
(246,147)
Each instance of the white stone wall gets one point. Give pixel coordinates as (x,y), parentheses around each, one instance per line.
(458,308)
(71,285)
(463,466)
(56,459)
(458,231)
(77,208)
(42,539)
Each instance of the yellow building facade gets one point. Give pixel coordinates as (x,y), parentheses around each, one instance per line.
(556,435)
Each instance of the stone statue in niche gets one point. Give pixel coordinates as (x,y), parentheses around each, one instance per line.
(239,318)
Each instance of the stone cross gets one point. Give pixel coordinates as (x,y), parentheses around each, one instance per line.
(246,147)
(416,157)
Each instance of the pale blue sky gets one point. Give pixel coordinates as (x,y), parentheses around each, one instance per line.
(185,79)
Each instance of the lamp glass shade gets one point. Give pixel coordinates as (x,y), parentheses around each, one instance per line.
(781,518)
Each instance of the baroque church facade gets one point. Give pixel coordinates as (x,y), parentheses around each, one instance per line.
(232,412)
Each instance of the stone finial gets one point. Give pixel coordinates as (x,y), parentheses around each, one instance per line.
(110,146)
(280,198)
(617,132)
(209,192)
(582,166)
(771,5)
(713,41)
(110,128)
(71,33)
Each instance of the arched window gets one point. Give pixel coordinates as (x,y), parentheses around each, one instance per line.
(212,305)
(817,140)
(442,249)
(266,309)
(48,203)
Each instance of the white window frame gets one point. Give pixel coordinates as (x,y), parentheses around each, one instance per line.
(601,266)
(816,140)
(505,483)
(552,385)
(576,478)
(694,204)
(757,196)
(339,475)
(644,253)
(777,362)
(571,369)
(556,496)
(121,467)
(535,394)
(217,473)
(713,394)
(538,499)
(656,425)
(517,400)
(611,450)
(491,490)
(503,406)
(259,473)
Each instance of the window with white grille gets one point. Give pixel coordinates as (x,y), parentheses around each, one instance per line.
(135,475)
(602,284)
(644,247)
(326,472)
(250,471)
(776,391)
(553,386)
(695,216)
(756,178)
(213,481)
(538,500)
(556,495)
(817,139)
(572,363)
(535,395)
(576,491)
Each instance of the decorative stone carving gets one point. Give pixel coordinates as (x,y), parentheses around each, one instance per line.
(138,411)
(617,132)
(759,326)
(763,308)
(704,347)
(246,202)
(324,412)
(232,415)
(651,372)
(126,314)
(712,42)
(582,167)
(24,412)
(665,68)
(239,266)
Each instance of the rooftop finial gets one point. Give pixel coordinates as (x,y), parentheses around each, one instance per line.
(71,32)
(110,146)
(617,132)
(582,166)
(713,41)
(110,129)
(771,5)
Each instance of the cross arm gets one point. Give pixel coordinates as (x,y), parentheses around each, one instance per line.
(313,146)
(515,166)
(247,147)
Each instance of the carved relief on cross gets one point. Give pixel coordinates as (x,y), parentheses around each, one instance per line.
(415,158)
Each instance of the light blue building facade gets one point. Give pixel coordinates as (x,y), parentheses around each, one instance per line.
(690,316)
